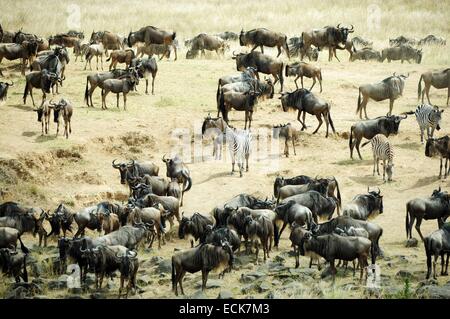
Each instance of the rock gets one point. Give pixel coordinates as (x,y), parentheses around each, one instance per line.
(148,250)
(225,294)
(263,286)
(73,297)
(97,295)
(247,288)
(211,283)
(199,294)
(373,292)
(144,280)
(90,279)
(155,260)
(257,274)
(427,282)
(434,292)
(243,260)
(35,269)
(412,242)
(276,282)
(247,279)
(110,285)
(17,293)
(276,266)
(56,284)
(76,290)
(404,274)
(165,266)
(279,259)
(41,297)
(273,295)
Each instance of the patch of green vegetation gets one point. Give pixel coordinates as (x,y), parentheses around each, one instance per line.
(405,293)
(352,162)
(165,102)
(410,146)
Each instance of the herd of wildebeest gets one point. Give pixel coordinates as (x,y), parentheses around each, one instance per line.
(300,202)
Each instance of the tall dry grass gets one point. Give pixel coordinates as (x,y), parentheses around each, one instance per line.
(188,17)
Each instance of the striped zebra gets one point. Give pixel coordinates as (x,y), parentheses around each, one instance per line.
(239,144)
(382,150)
(428,117)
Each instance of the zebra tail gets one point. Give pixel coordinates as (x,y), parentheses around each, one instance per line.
(419,88)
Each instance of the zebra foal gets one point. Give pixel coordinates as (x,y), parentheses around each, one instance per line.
(239,144)
(428,117)
(382,150)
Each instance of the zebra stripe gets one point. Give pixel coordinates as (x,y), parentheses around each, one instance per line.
(382,150)
(428,117)
(239,144)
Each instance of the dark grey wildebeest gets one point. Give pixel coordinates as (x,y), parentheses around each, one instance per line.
(366,54)
(194,227)
(240,102)
(390,88)
(9,237)
(97,50)
(437,206)
(291,190)
(87,218)
(215,236)
(301,69)
(97,79)
(43,80)
(204,42)
(214,128)
(259,230)
(437,244)
(297,48)
(320,206)
(437,79)
(4,90)
(178,170)
(262,63)
(204,258)
(328,36)
(145,67)
(403,53)
(306,102)
(432,40)
(439,147)
(133,169)
(63,111)
(364,206)
(26,51)
(123,84)
(291,213)
(386,125)
(43,113)
(402,40)
(262,37)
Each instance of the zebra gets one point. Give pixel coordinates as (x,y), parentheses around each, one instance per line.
(382,150)
(427,117)
(239,143)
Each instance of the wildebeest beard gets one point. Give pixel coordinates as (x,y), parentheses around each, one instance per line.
(56,115)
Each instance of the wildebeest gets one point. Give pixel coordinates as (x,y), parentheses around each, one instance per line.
(128,267)
(14,263)
(109,40)
(259,231)
(64,40)
(332,247)
(144,68)
(361,41)
(436,206)
(262,37)
(437,79)
(386,125)
(43,116)
(328,36)
(366,54)
(62,111)
(161,50)
(129,236)
(178,170)
(228,35)
(364,206)
(437,244)
(204,258)
(151,34)
(24,223)
(320,186)
(170,204)
(306,102)
(214,128)
(320,206)
(121,56)
(390,88)
(262,63)
(96,50)
(123,84)
(297,48)
(297,238)
(204,42)
(134,169)
(80,50)
(291,212)
(72,248)
(289,133)
(149,184)
(62,218)
(25,51)
(402,52)
(240,102)
(439,147)
(102,261)
(87,218)
(216,236)
(402,40)
(149,215)
(343,222)
(301,69)
(432,40)
(9,237)
(43,80)
(194,227)
(4,90)
(281,181)
(97,79)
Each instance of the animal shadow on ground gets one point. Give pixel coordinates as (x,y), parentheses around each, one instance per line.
(217,175)
(22,107)
(410,146)
(424,181)
(29,134)
(354,162)
(368,180)
(45,138)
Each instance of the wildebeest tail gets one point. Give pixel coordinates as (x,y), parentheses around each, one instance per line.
(188,187)
(407,221)
(25,273)
(86,95)
(320,75)
(24,249)
(173,276)
(286,46)
(222,107)
(427,244)
(338,193)
(350,140)
(108,59)
(419,87)
(365,143)
(359,101)
(276,237)
(25,92)
(217,98)
(331,121)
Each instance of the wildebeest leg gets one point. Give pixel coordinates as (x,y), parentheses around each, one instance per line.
(419,221)
(374,164)
(358,143)
(295,81)
(262,49)
(204,278)
(301,79)
(253,49)
(434,266)
(314,82)
(117,100)
(279,51)
(327,122)
(448,96)
(391,106)
(446,266)
(319,118)
(257,250)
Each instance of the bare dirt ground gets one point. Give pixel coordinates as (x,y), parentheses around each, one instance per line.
(44,171)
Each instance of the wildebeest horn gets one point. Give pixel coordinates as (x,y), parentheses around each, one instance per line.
(368,189)
(338,25)
(83,250)
(131,163)
(394,73)
(234,54)
(132,254)
(164,158)
(119,255)
(351,30)
(114,164)
(379,191)
(12,83)
(404,117)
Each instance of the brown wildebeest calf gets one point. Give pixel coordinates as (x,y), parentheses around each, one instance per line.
(301,69)
(121,56)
